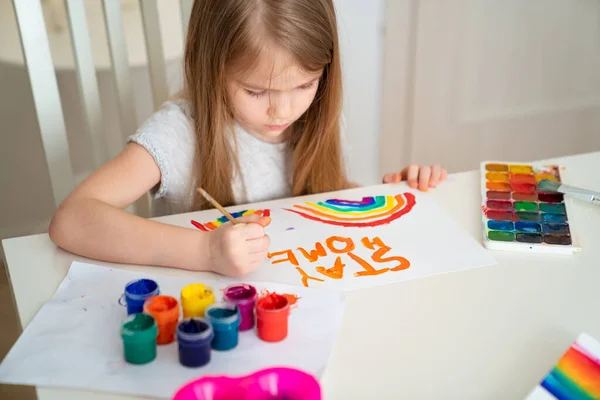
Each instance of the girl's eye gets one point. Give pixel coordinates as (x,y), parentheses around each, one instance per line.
(255,94)
(307,86)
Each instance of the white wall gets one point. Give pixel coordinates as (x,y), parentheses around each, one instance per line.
(473,80)
(361,27)
(26,201)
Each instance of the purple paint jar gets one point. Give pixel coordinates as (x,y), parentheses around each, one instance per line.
(244,296)
(194,336)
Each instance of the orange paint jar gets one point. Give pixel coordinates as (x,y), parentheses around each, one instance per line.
(165,310)
(272,314)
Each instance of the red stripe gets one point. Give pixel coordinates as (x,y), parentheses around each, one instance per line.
(199,226)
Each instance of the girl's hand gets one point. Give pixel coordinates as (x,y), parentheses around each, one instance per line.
(236,250)
(421,177)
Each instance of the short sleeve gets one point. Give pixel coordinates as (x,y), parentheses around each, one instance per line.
(167,135)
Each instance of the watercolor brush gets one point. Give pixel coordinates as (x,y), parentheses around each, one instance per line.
(546,185)
(216,205)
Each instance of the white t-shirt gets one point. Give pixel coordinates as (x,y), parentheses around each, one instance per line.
(169,137)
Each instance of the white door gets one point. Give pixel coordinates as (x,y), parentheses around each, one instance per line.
(468,80)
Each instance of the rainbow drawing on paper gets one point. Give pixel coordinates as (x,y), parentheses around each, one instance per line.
(211,226)
(368,212)
(576,376)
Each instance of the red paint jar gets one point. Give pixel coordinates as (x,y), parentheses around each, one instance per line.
(272,314)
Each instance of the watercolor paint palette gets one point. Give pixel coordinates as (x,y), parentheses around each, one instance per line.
(517,216)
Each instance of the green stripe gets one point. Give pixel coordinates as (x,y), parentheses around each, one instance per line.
(571,387)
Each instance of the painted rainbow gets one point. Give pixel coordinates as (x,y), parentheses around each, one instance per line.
(368,212)
(576,376)
(211,226)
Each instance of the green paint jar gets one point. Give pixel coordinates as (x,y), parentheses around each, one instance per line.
(139,332)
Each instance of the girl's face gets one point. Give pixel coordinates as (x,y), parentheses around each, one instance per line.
(272,96)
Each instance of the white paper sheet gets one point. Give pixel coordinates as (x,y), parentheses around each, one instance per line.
(425,236)
(74,341)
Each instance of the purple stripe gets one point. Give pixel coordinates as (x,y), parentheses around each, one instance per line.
(366,201)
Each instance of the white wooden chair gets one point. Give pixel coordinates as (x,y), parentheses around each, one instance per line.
(36,50)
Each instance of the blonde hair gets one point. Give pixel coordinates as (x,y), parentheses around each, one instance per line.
(226,35)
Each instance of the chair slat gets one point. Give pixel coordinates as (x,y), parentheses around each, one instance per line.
(86,77)
(122,76)
(46,97)
(120,65)
(186,10)
(154,51)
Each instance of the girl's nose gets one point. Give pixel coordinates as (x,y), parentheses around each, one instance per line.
(280,109)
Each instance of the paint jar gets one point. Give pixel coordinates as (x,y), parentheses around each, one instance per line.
(165,311)
(139,333)
(225,320)
(272,312)
(244,296)
(194,336)
(137,292)
(195,298)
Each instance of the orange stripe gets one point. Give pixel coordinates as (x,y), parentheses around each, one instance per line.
(583,371)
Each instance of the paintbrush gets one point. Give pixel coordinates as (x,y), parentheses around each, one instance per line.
(546,185)
(212,201)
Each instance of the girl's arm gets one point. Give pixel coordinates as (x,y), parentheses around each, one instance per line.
(92,222)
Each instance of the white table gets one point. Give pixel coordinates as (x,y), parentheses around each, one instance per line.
(485,333)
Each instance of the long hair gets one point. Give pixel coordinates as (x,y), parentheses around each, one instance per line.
(229,34)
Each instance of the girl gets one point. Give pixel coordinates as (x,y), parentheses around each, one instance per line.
(258,119)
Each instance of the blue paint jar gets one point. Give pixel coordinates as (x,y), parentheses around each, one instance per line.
(136,293)
(194,336)
(225,321)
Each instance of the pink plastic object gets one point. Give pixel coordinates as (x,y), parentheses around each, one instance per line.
(267,384)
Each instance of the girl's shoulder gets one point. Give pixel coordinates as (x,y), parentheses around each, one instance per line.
(169,124)
(168,135)
(176,109)
(177,105)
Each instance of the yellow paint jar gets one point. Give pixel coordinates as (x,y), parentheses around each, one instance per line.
(195,298)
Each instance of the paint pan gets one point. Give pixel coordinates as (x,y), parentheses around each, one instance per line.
(194,337)
(195,298)
(137,292)
(272,314)
(139,332)
(244,296)
(517,216)
(165,311)
(225,320)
